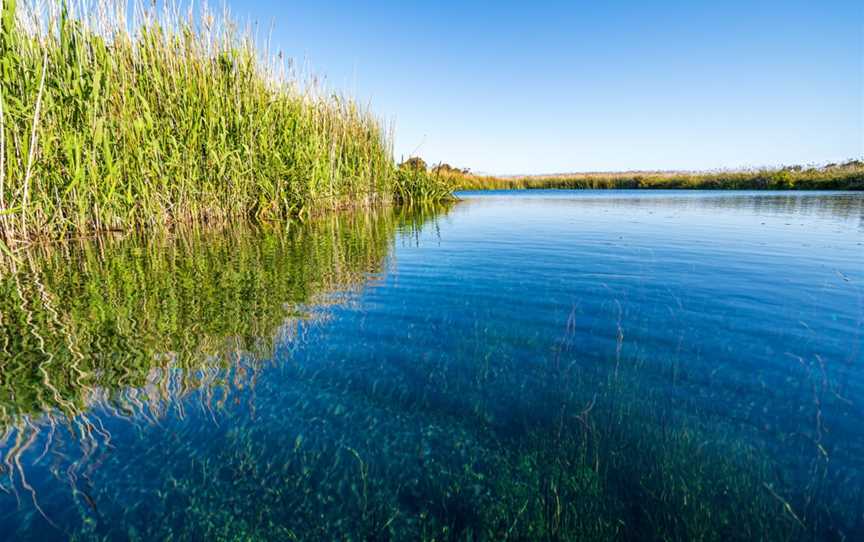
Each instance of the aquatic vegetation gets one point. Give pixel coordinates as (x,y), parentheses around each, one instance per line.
(117,115)
(352,455)
(846,176)
(417,186)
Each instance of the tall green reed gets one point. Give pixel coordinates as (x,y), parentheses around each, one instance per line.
(115,116)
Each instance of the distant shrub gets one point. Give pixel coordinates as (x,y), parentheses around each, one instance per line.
(415,163)
(782,179)
(447,169)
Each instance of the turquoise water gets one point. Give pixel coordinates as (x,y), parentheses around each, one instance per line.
(523,365)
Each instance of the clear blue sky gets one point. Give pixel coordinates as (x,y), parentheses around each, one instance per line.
(521,87)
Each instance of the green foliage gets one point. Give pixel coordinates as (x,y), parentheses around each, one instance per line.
(111,126)
(415,163)
(783,179)
(414,185)
(448,169)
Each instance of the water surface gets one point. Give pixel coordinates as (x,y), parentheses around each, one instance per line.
(521,365)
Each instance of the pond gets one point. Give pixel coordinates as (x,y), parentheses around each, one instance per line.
(519,365)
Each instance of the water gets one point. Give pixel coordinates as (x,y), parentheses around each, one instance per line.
(521,365)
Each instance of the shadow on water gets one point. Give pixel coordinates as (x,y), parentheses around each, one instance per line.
(260,383)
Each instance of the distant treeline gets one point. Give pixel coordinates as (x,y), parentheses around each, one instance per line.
(846,176)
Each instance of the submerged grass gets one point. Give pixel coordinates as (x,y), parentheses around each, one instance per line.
(504,451)
(846,176)
(116,115)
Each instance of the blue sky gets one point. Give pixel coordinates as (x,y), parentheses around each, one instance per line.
(533,87)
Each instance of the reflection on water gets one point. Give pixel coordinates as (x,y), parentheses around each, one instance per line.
(141,329)
(539,365)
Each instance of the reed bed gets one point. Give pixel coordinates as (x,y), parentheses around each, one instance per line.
(846,176)
(118,115)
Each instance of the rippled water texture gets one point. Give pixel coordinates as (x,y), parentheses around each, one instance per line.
(533,365)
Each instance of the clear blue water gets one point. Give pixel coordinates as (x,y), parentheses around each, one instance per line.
(533,365)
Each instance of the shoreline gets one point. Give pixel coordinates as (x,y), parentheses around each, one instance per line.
(848,177)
